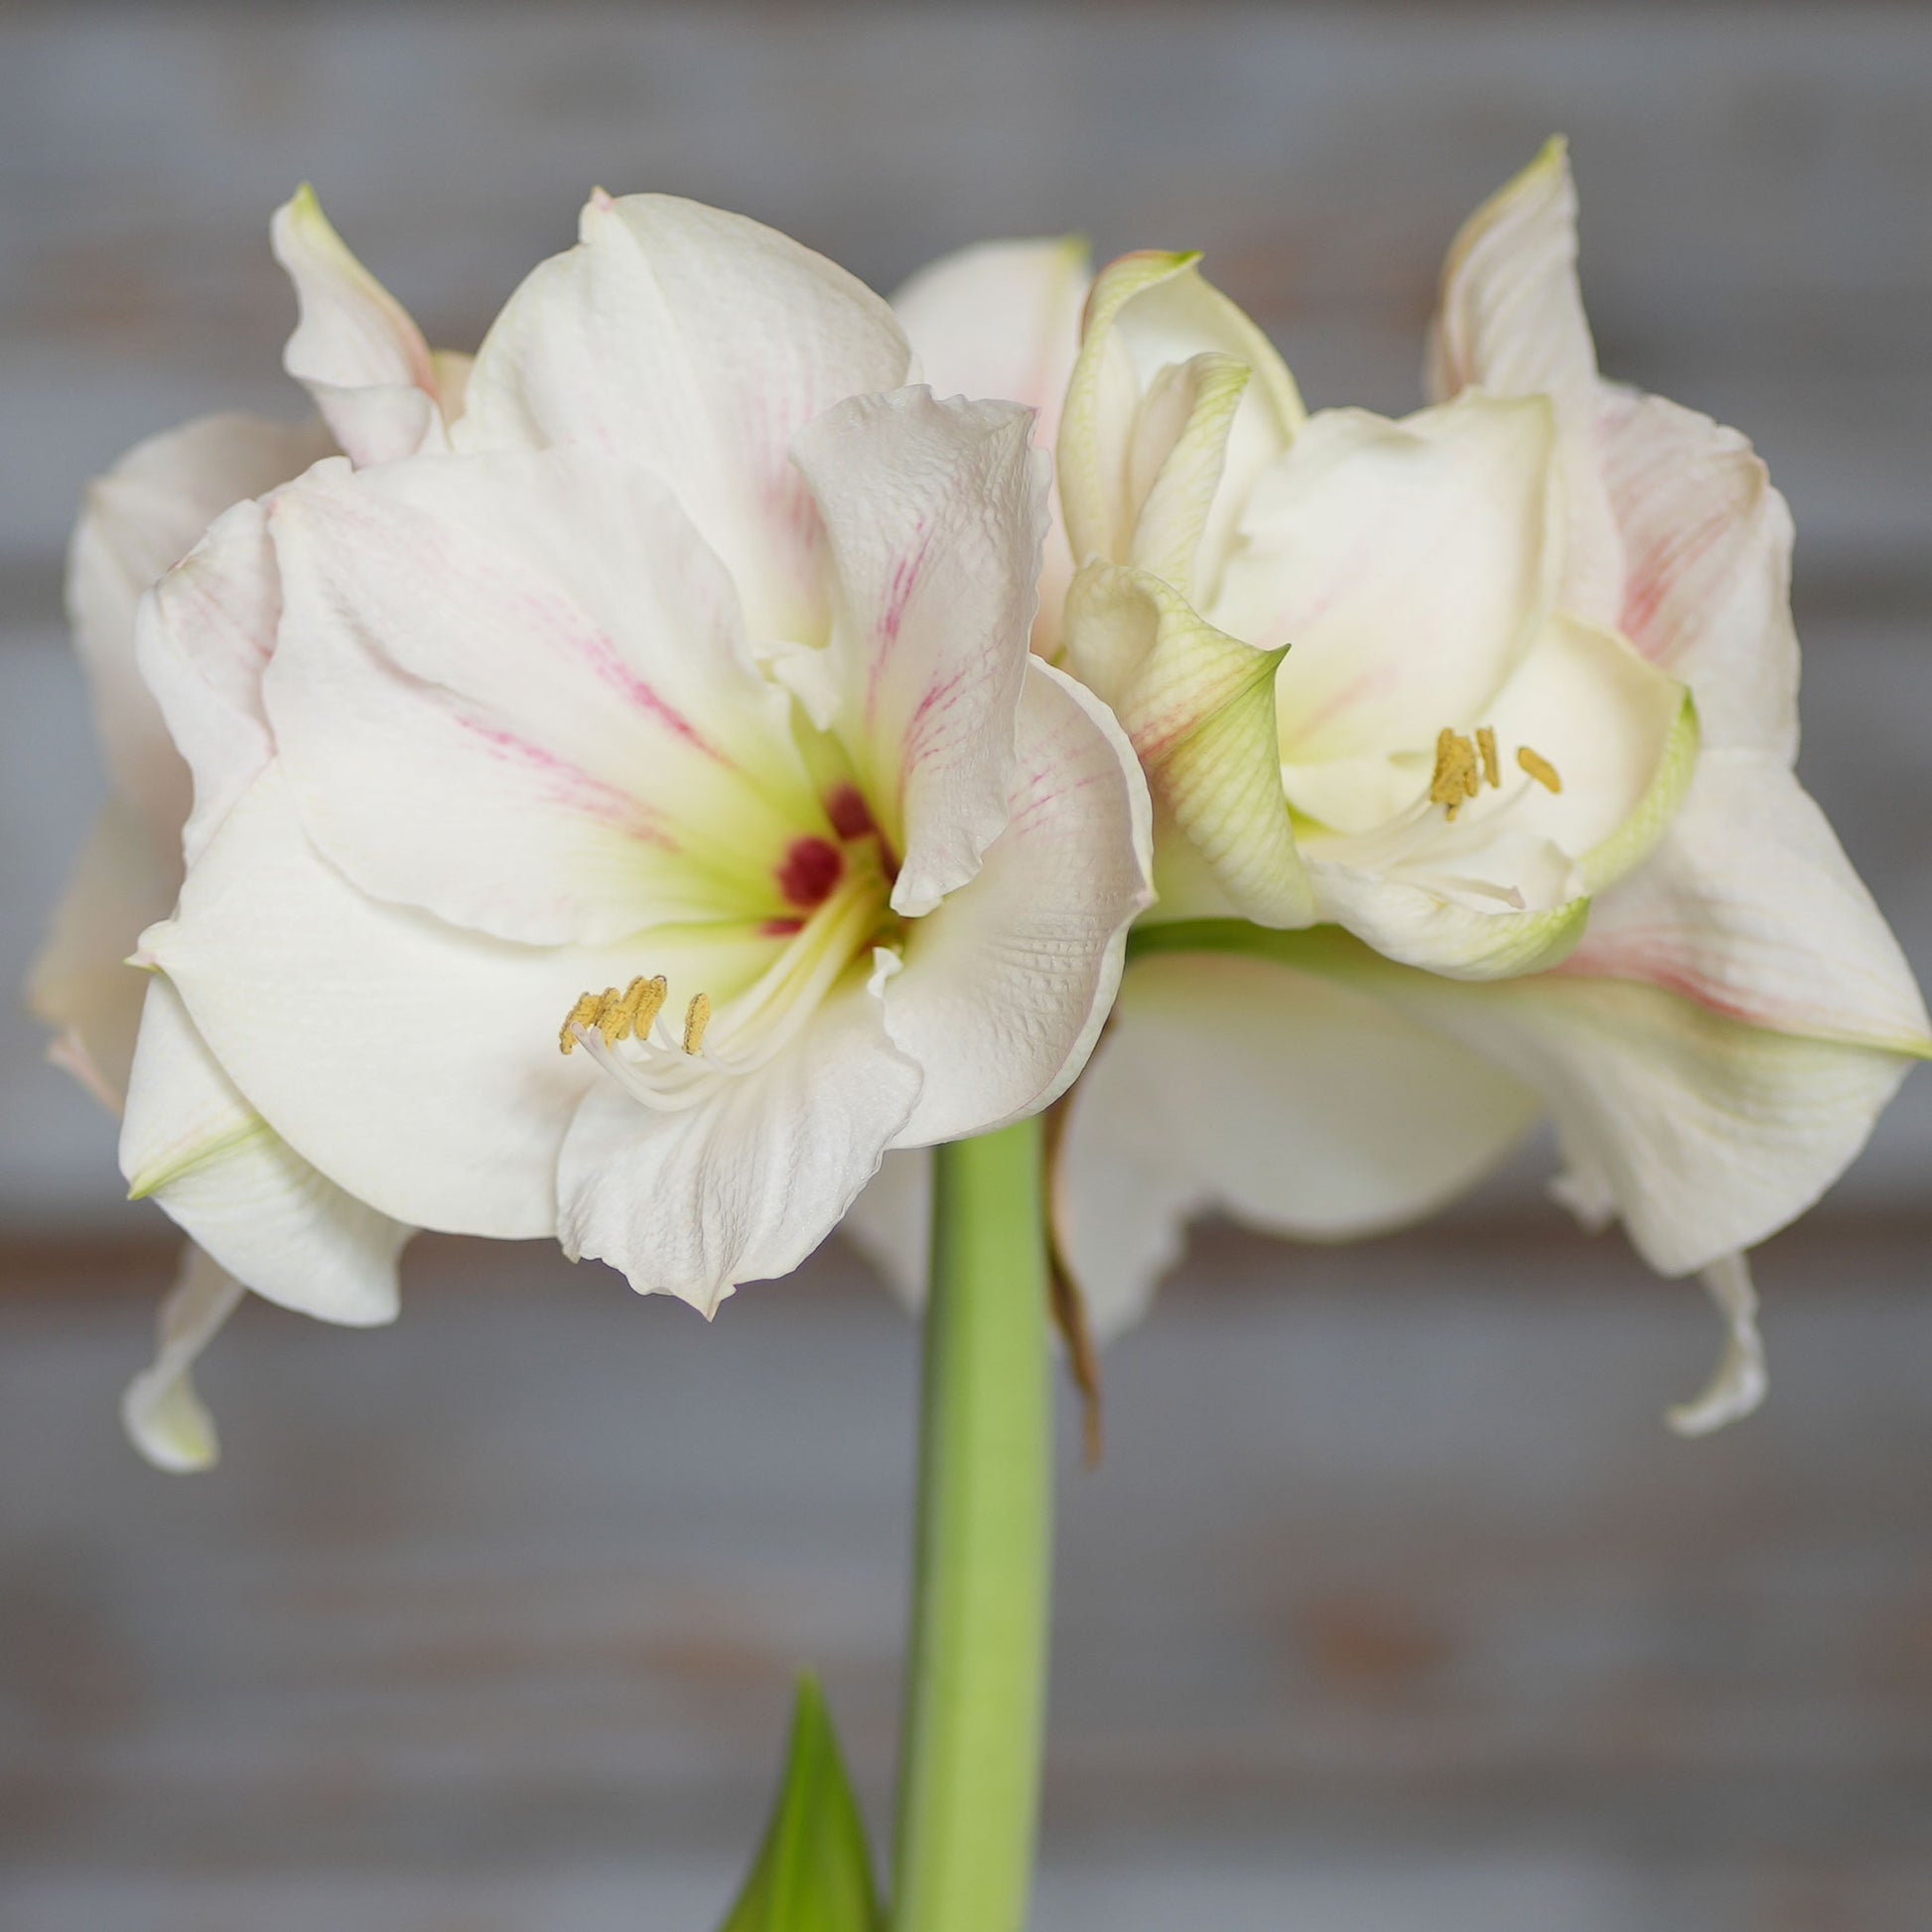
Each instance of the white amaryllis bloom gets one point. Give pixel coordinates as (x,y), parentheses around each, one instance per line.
(1722,1012)
(381,392)
(654,812)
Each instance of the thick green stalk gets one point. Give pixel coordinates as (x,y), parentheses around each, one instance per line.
(969,1765)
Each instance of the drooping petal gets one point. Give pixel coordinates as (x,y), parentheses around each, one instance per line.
(1511,321)
(82,985)
(1003,320)
(1300,1106)
(745,1186)
(204,637)
(355,348)
(1707,590)
(415,1065)
(933,515)
(699,344)
(1707,1133)
(1409,567)
(1739,1383)
(1200,707)
(1007,984)
(159,1410)
(1126,418)
(514,690)
(1750,908)
(238,1191)
(143,516)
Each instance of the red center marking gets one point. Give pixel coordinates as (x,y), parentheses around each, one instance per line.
(851,816)
(811,869)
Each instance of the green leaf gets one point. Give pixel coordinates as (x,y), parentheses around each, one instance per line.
(814,1871)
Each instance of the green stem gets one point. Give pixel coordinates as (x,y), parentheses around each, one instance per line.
(969,1768)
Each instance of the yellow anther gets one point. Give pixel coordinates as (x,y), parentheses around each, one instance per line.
(643,1000)
(1455,778)
(697,1017)
(1492,766)
(1540,768)
(583,1013)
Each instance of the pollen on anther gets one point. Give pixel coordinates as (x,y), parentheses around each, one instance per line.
(697,1017)
(1455,778)
(583,1013)
(1492,766)
(1540,768)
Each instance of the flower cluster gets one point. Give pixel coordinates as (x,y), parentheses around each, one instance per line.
(629,786)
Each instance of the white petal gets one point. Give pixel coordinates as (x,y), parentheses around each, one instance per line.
(890,1222)
(1619,732)
(354,348)
(1409,565)
(933,515)
(1708,1134)
(1008,983)
(531,664)
(1738,1384)
(81,984)
(1511,321)
(745,1186)
(697,343)
(159,1410)
(1003,320)
(415,1065)
(1750,908)
(1511,317)
(143,516)
(1199,708)
(1706,591)
(1148,313)
(1300,1106)
(267,1217)
(204,637)
(1421,925)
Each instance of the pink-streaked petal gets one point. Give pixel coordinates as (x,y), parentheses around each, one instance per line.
(514,690)
(1706,589)
(416,1066)
(354,348)
(699,344)
(1003,320)
(744,1185)
(1007,984)
(1750,907)
(933,516)
(191,1142)
(143,516)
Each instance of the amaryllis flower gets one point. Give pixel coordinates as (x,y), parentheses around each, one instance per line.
(381,392)
(654,812)
(1542,563)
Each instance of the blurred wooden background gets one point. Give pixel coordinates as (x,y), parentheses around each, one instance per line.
(1394,1606)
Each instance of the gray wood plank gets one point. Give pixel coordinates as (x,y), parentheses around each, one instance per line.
(1393,1606)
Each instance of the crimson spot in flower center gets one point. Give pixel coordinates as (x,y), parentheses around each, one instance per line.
(812,867)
